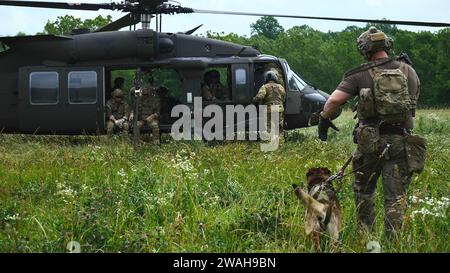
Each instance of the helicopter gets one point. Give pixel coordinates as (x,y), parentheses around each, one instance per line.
(59,84)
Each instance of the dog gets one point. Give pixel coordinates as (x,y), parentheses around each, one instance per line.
(323,214)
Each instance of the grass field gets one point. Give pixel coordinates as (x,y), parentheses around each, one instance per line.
(198,197)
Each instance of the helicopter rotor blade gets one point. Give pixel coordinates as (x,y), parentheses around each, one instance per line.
(58,5)
(125,21)
(395,22)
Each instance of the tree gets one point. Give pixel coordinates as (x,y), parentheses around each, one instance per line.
(268,27)
(65,24)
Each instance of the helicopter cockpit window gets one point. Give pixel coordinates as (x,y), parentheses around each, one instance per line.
(3,47)
(44,87)
(83,87)
(295,83)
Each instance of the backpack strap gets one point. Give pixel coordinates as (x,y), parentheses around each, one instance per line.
(366,66)
(405,70)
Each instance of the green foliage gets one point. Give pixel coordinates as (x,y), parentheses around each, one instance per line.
(193,197)
(3,47)
(322,58)
(161,77)
(65,24)
(268,27)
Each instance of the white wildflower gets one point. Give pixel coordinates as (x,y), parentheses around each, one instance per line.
(14,217)
(122,173)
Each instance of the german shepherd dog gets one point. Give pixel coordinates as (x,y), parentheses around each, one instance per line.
(323,214)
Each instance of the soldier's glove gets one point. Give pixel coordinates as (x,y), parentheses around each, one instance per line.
(120,123)
(324,125)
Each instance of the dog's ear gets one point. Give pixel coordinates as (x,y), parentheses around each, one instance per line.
(313,172)
(326,171)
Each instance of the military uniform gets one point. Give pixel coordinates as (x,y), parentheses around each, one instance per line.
(120,112)
(394,167)
(149,111)
(215,91)
(273,95)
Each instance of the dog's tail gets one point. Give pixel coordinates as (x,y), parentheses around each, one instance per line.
(311,203)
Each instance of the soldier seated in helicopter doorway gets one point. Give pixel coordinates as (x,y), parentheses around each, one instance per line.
(149,112)
(213,89)
(117,113)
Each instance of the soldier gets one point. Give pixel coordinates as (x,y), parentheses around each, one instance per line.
(388,91)
(273,95)
(149,111)
(117,113)
(275,69)
(213,89)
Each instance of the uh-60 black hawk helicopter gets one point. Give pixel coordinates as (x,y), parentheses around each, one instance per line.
(59,84)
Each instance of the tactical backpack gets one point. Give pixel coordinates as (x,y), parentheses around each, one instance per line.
(389,98)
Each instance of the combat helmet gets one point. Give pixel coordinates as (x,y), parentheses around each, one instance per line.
(373,41)
(117,93)
(270,76)
(212,75)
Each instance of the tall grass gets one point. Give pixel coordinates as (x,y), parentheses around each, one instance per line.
(197,197)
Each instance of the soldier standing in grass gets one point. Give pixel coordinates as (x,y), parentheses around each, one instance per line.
(388,91)
(273,95)
(117,113)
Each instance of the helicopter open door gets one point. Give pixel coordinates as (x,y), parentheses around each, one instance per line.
(62,100)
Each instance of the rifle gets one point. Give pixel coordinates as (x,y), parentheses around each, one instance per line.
(403,57)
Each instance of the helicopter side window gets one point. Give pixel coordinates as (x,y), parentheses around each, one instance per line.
(44,88)
(83,87)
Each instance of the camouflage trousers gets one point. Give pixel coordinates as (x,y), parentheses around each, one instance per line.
(396,179)
(280,121)
(267,134)
(153,123)
(111,127)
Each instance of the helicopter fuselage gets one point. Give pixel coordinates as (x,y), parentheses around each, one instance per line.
(60,84)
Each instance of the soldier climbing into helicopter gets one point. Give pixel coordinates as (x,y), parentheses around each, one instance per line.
(273,95)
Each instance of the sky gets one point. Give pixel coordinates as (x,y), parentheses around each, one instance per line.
(33,20)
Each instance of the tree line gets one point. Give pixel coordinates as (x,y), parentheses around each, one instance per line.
(323,57)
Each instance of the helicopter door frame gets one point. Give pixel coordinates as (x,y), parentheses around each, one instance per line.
(293,96)
(62,113)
